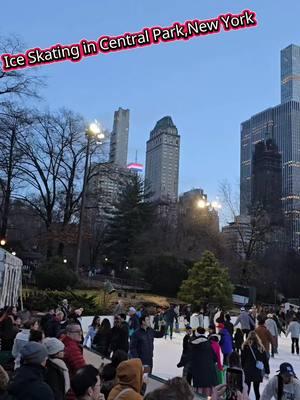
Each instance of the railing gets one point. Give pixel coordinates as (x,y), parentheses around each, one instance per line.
(121,283)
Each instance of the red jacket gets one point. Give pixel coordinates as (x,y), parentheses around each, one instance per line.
(73,358)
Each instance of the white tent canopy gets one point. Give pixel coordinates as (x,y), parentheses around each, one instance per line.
(10,279)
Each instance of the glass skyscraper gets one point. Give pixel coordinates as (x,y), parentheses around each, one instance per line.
(290,73)
(282,124)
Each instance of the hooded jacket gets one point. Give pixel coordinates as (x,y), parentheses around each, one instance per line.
(203,360)
(129,376)
(28,384)
(271,326)
(142,344)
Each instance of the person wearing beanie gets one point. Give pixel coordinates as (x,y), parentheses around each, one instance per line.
(133,322)
(28,383)
(57,373)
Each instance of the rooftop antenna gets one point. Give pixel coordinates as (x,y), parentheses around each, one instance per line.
(136,156)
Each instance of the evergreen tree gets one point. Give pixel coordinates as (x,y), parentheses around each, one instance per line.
(132,216)
(208,282)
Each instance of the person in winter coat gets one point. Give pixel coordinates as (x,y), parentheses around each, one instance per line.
(254,355)
(228,324)
(203,360)
(92,331)
(108,372)
(28,381)
(185,351)
(238,340)
(73,353)
(57,373)
(225,343)
(170,316)
(86,384)
(284,386)
(21,339)
(133,322)
(272,328)
(294,330)
(101,339)
(245,321)
(130,381)
(214,342)
(142,342)
(118,336)
(265,336)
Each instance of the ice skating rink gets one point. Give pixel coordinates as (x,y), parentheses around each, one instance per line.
(167,354)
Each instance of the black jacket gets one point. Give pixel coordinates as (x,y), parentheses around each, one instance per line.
(55,378)
(142,344)
(229,326)
(101,342)
(253,374)
(170,315)
(28,383)
(203,360)
(118,339)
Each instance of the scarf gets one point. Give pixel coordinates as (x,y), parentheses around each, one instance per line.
(61,364)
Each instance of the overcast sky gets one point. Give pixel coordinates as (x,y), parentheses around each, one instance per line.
(207,85)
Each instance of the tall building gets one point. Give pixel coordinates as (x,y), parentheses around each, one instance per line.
(290,73)
(282,124)
(162,161)
(194,207)
(104,188)
(119,138)
(267,181)
(237,235)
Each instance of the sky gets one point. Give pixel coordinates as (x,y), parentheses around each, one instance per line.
(208,85)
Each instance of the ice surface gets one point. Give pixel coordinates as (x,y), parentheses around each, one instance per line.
(167,354)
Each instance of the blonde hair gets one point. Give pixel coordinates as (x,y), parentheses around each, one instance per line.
(253,339)
(4,379)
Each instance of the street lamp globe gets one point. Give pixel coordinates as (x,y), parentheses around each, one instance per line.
(201,203)
(65,261)
(3,242)
(94,128)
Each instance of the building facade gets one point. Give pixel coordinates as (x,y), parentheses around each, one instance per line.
(119,138)
(104,189)
(267,181)
(237,235)
(162,161)
(282,124)
(290,74)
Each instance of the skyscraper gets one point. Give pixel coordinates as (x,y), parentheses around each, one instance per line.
(162,161)
(267,181)
(282,124)
(290,73)
(119,138)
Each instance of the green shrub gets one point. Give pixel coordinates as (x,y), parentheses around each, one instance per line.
(55,275)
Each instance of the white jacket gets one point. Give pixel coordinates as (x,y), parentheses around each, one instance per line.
(20,340)
(294,329)
(290,391)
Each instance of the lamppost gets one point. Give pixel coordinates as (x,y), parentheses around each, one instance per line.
(93,131)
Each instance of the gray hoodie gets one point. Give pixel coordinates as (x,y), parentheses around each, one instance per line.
(244,320)
(291,391)
(294,329)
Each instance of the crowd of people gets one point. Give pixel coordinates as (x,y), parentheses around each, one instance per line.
(247,345)
(43,358)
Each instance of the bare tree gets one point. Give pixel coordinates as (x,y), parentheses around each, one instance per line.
(252,231)
(14,121)
(43,156)
(21,83)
